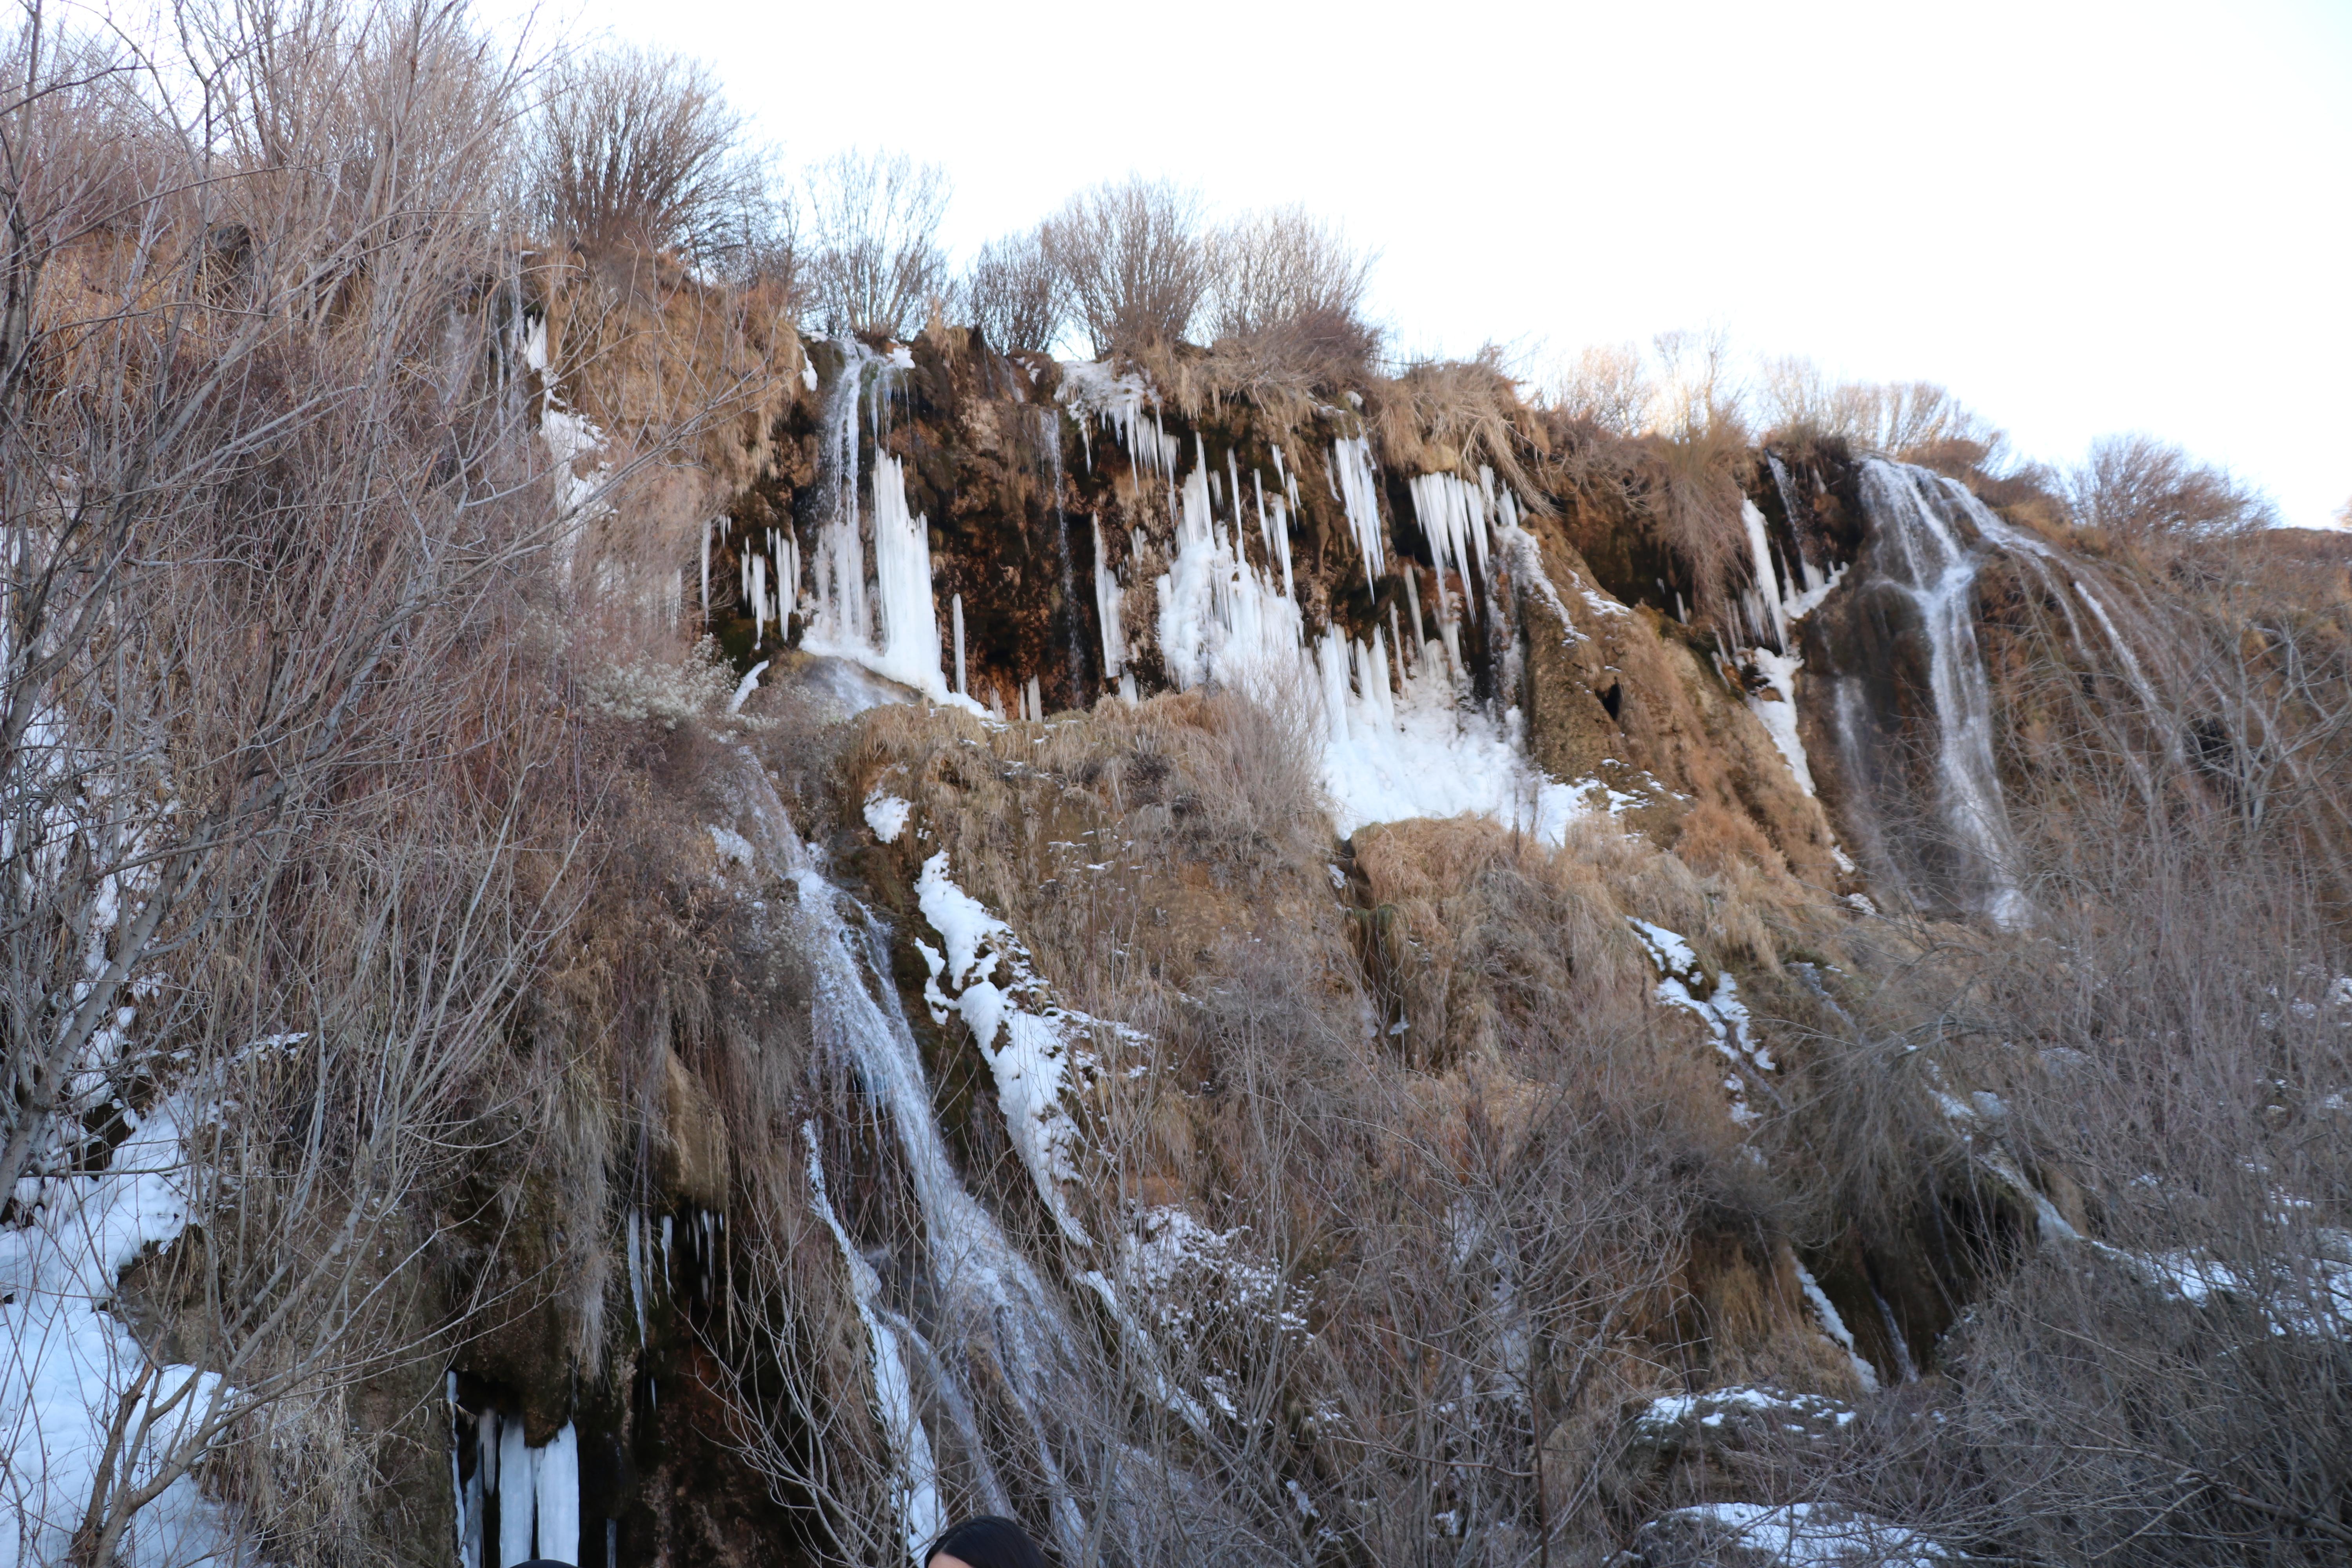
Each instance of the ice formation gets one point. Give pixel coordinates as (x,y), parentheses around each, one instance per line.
(887,621)
(1107,597)
(537,1488)
(1401,742)
(1360,493)
(1222,620)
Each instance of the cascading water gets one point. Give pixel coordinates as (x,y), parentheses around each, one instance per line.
(1049,421)
(985,1303)
(1910,707)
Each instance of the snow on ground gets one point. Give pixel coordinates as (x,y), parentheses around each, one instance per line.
(1032,1044)
(1797,1534)
(1796,1413)
(1684,983)
(2295,1292)
(1195,1285)
(886,815)
(66,1359)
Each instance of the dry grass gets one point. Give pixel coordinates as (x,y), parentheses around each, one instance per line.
(1534,1082)
(1452,417)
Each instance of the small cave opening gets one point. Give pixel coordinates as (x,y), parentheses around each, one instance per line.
(1614,700)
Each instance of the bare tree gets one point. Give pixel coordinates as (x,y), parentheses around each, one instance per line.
(1015,294)
(275,526)
(1914,420)
(1607,384)
(1137,258)
(1290,285)
(2135,485)
(639,146)
(875,263)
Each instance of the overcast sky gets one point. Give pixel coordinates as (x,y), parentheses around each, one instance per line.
(2081,217)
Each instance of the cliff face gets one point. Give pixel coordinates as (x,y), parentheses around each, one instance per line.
(1291,981)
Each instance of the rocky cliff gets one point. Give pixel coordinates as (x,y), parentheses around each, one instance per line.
(1373,976)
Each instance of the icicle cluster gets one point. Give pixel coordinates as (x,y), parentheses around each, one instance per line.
(537,1488)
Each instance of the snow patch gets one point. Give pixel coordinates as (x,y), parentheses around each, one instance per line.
(1834,1326)
(886,816)
(68,1359)
(1664,1419)
(1790,1535)
(1777,709)
(1031,1043)
(1684,983)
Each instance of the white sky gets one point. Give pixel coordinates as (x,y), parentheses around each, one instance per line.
(2081,217)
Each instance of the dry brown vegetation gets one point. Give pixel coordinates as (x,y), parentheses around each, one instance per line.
(1437,1104)
(638,148)
(292,736)
(1136,260)
(384,711)
(2135,485)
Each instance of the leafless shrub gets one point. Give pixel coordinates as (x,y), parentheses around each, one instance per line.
(1015,294)
(873,261)
(1917,421)
(2136,486)
(821,1456)
(2124,1117)
(1137,260)
(2167,1374)
(1606,384)
(637,146)
(1289,291)
(1695,393)
(276,539)
(755,242)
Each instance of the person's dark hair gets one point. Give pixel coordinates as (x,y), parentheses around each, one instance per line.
(988,1541)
